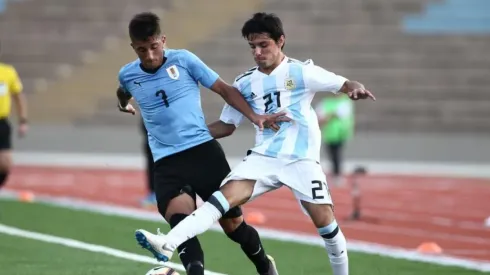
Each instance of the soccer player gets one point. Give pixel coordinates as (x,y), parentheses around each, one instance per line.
(188,161)
(10,88)
(288,157)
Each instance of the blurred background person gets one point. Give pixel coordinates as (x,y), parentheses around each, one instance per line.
(336,118)
(150,199)
(10,88)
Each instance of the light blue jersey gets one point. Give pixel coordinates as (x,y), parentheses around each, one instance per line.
(289,88)
(170,101)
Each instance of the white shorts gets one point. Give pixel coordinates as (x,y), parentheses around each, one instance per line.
(304,177)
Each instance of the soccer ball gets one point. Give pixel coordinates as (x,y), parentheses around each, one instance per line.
(162,270)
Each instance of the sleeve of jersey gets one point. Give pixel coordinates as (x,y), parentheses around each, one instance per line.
(15,85)
(231,116)
(320,80)
(121,81)
(200,71)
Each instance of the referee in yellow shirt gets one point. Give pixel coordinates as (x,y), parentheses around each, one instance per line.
(10,88)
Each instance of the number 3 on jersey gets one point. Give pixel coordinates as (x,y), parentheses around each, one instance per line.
(269,99)
(163,95)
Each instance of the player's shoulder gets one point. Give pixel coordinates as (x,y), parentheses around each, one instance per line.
(245,75)
(296,62)
(7,68)
(178,54)
(129,68)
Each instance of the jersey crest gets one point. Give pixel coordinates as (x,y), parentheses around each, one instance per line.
(173,72)
(289,84)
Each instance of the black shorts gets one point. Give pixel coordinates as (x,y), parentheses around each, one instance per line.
(5,134)
(198,170)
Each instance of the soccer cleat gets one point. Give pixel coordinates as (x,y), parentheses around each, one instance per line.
(156,244)
(272,267)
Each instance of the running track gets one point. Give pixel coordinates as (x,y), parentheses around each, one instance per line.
(400,211)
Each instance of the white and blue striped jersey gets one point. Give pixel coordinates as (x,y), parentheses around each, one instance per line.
(289,88)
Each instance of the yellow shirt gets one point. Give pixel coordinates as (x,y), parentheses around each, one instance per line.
(9,84)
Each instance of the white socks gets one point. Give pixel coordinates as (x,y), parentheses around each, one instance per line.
(199,221)
(336,246)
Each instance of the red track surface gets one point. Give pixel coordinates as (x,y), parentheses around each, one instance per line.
(402,211)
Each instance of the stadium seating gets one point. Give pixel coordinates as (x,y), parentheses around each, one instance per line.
(424,83)
(427,79)
(46,40)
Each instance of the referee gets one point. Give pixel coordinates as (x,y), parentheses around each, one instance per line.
(10,88)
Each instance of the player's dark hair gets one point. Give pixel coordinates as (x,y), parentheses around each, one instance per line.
(262,22)
(143,26)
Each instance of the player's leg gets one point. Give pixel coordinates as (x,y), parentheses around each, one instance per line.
(213,169)
(249,240)
(175,202)
(5,151)
(190,251)
(308,183)
(235,191)
(323,218)
(150,199)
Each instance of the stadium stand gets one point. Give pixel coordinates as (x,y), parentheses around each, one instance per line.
(427,79)
(47,39)
(424,83)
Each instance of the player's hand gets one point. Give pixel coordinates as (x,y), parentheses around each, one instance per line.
(128,109)
(269,121)
(360,93)
(23,128)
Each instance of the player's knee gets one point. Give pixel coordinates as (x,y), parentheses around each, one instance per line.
(321,214)
(176,219)
(240,233)
(238,192)
(229,225)
(183,203)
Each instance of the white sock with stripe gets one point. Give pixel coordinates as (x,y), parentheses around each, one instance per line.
(199,221)
(336,246)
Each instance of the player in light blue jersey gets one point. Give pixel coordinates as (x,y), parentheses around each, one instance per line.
(289,156)
(188,160)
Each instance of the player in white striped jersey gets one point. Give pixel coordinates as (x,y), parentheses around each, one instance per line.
(287,155)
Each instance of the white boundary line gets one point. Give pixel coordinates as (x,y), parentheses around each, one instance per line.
(13,231)
(357,246)
(137,162)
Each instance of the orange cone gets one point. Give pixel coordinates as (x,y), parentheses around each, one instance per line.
(255,217)
(429,248)
(26,196)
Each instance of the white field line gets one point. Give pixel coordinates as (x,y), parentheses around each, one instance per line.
(357,246)
(13,231)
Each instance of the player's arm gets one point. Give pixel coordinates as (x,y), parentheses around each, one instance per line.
(211,80)
(356,90)
(219,129)
(228,121)
(123,98)
(20,102)
(321,80)
(234,98)
(21,107)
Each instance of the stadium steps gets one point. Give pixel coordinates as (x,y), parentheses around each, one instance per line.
(424,83)
(207,23)
(47,40)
